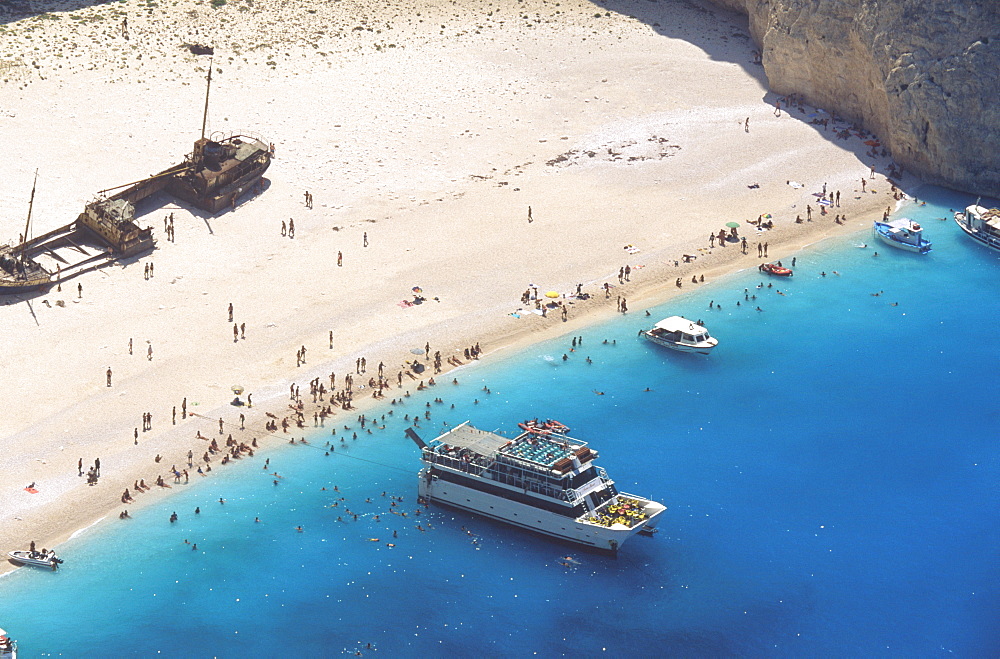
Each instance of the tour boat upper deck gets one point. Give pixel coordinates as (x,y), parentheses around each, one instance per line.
(540,449)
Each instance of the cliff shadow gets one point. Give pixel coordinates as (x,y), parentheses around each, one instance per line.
(12,11)
(723,35)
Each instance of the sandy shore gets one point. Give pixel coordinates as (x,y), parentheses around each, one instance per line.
(429,128)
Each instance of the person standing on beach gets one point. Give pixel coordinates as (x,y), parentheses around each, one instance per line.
(746,125)
(777,108)
(340,259)
(236,333)
(184,408)
(243,330)
(291,228)
(230,312)
(130,345)
(365,240)
(97,466)
(284,228)
(837,196)
(765,249)
(79,290)
(109,376)
(79,467)
(530,219)
(628,272)
(149,352)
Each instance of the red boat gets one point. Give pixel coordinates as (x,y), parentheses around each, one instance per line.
(775,269)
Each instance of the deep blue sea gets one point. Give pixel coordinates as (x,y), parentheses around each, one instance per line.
(831,473)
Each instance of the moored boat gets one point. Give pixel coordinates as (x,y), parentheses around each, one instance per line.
(775,269)
(8,647)
(46,559)
(904,234)
(679,333)
(545,482)
(981,224)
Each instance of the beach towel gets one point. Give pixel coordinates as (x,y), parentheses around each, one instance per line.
(31,490)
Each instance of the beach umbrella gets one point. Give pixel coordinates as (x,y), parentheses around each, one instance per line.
(417,351)
(733,225)
(237,389)
(767,216)
(417,289)
(552,294)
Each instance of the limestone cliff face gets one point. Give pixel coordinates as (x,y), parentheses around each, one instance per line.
(924,75)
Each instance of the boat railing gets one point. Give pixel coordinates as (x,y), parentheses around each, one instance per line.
(572,496)
(528,485)
(221,136)
(456,463)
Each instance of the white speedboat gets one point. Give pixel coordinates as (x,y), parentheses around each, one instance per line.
(36,558)
(543,480)
(679,333)
(903,234)
(8,648)
(981,224)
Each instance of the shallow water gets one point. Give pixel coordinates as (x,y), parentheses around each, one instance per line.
(830,472)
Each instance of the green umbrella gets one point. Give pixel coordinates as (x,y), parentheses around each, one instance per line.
(733,225)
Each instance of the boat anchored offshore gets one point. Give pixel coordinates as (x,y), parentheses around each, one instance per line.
(36,558)
(679,333)
(904,234)
(543,480)
(8,648)
(775,269)
(981,224)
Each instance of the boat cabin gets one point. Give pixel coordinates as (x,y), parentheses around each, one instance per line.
(680,330)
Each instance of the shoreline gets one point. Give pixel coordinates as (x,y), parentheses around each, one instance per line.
(654,293)
(436,171)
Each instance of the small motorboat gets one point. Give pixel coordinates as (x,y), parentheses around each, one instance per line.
(904,234)
(46,559)
(775,269)
(679,333)
(8,648)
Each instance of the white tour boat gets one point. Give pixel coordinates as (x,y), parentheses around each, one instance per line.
(904,234)
(8,648)
(981,224)
(679,333)
(36,558)
(542,480)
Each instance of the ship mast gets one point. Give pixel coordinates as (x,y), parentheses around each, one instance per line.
(31,204)
(204,118)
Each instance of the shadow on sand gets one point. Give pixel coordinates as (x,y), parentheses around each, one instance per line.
(725,37)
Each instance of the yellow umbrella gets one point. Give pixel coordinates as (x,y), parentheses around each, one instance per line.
(552,294)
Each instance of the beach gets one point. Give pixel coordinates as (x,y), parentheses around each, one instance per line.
(425,131)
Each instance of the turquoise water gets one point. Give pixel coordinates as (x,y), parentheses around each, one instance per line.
(830,471)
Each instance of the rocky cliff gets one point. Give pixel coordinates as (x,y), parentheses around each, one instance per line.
(924,75)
